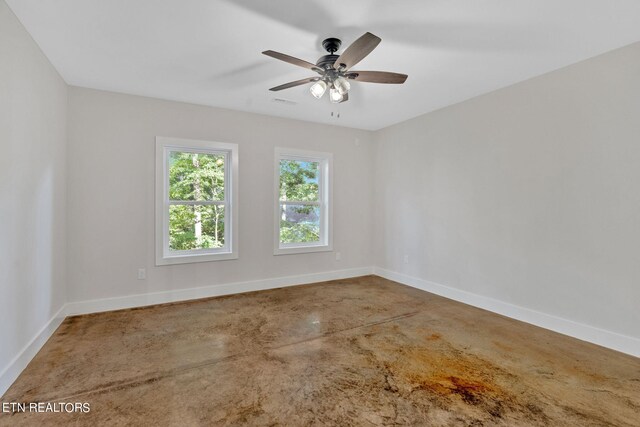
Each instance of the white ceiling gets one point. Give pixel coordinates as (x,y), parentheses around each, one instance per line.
(208,52)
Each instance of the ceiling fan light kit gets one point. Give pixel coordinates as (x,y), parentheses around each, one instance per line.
(334,70)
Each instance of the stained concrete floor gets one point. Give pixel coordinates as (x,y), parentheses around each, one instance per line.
(362,351)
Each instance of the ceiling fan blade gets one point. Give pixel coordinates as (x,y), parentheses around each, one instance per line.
(357,51)
(292,60)
(296,83)
(377,77)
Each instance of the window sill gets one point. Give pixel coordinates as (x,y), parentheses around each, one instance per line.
(189,259)
(302,249)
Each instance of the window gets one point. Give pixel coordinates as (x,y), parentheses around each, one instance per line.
(196,193)
(303,201)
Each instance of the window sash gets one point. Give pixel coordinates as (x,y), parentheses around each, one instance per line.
(168,252)
(223,249)
(302,245)
(320,202)
(303,203)
(321,168)
(324,170)
(318,242)
(198,203)
(224,153)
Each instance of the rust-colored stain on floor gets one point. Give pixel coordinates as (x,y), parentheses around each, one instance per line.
(354,352)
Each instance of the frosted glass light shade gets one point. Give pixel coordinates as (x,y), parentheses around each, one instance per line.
(335,96)
(318,89)
(342,85)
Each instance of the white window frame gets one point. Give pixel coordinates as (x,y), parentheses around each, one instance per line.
(165,256)
(325,196)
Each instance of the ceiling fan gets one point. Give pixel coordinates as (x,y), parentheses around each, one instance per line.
(335,70)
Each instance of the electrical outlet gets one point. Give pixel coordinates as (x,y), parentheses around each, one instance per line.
(142,273)
(338,256)
(406,259)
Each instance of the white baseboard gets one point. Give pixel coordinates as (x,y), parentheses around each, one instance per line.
(17,365)
(612,340)
(581,331)
(141,300)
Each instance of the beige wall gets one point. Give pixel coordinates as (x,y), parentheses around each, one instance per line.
(111,193)
(529,195)
(33,105)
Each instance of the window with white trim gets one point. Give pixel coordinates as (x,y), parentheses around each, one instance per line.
(196,194)
(303,201)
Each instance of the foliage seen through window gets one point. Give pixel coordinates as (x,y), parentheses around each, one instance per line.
(299,222)
(197,178)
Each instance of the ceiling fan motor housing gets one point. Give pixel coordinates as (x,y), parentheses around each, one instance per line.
(327,61)
(331,45)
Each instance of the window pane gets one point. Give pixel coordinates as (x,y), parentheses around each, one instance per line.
(299,180)
(299,224)
(196,176)
(196,227)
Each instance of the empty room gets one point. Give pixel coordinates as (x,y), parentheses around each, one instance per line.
(320,213)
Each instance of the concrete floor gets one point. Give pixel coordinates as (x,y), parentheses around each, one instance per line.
(362,351)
